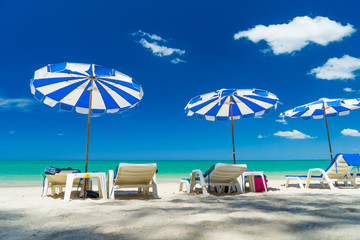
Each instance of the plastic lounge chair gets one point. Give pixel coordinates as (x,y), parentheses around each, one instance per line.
(57,181)
(219,176)
(141,176)
(338,170)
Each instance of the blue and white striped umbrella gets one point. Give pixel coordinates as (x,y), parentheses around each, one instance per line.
(232,104)
(324,107)
(87,88)
(247,103)
(69,84)
(315,110)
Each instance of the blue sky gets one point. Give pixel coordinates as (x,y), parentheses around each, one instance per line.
(177,50)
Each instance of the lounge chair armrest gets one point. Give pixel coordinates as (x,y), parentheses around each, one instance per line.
(198,173)
(324,175)
(316,170)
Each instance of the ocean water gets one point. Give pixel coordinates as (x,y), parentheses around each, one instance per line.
(28,173)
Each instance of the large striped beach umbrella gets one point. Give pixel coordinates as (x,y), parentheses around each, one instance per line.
(85,88)
(323,108)
(231,104)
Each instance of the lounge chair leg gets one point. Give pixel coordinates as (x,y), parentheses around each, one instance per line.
(146,191)
(300,183)
(154,188)
(181,186)
(192,182)
(45,188)
(187,186)
(287,182)
(238,188)
(308,179)
(111,185)
(241,183)
(205,192)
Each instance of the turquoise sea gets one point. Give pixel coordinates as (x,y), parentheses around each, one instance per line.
(28,173)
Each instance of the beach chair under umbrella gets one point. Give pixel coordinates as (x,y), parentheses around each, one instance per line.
(85,88)
(323,108)
(232,104)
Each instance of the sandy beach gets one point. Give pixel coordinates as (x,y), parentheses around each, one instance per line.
(279,214)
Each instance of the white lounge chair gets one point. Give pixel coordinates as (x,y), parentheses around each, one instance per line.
(141,176)
(338,170)
(220,176)
(57,182)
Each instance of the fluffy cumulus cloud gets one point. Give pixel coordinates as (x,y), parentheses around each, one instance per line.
(350,132)
(155,44)
(21,104)
(298,33)
(160,51)
(338,68)
(294,134)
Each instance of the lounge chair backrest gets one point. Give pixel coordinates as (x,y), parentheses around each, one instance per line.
(339,168)
(135,173)
(226,172)
(60,178)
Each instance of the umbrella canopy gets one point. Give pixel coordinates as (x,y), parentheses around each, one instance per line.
(323,108)
(333,108)
(85,88)
(70,85)
(232,104)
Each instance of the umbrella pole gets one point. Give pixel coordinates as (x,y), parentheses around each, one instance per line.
(232,128)
(327,129)
(87,142)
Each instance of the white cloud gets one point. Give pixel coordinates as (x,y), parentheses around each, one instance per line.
(294,134)
(298,33)
(350,132)
(60,134)
(160,51)
(260,136)
(15,103)
(151,36)
(347,89)
(338,68)
(281,121)
(177,60)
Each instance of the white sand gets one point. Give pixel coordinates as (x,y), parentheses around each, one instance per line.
(279,214)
